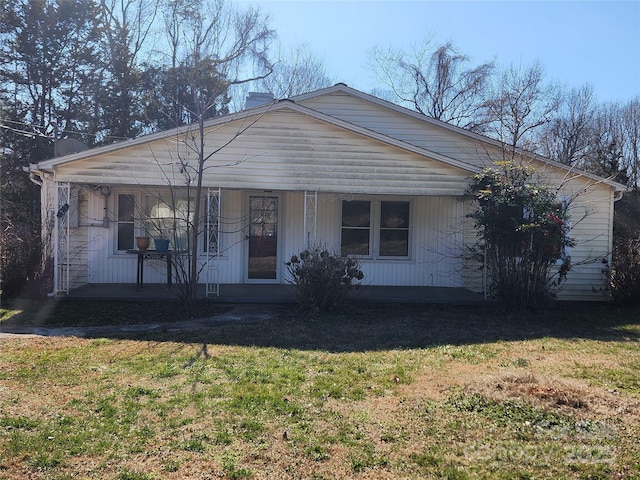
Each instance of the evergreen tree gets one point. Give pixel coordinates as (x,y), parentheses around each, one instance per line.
(48,57)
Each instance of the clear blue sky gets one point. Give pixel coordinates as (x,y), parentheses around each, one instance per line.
(577,42)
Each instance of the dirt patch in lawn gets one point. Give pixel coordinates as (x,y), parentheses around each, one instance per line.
(571,397)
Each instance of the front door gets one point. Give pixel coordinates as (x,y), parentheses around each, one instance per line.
(263,238)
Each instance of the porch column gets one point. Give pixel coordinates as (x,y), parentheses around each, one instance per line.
(61,253)
(310,218)
(212,243)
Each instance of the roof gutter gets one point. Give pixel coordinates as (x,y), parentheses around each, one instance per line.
(33,176)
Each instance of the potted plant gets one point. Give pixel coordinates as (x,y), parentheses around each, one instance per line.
(160,239)
(162,244)
(142,243)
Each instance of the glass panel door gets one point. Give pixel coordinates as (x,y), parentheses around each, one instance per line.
(263,238)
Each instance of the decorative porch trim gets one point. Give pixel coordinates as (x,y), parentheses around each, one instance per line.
(310,218)
(61,239)
(212,276)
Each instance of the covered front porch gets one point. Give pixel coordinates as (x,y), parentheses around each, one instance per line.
(246,238)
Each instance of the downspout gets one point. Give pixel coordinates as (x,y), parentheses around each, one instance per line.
(37,179)
(617,195)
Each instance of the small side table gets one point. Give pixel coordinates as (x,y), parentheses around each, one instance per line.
(151,255)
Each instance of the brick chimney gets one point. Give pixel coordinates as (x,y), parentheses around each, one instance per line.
(255,99)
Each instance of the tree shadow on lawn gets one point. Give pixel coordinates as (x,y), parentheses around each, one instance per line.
(361,327)
(395,326)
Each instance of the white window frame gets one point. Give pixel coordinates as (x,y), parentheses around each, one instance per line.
(375,213)
(119,222)
(143,200)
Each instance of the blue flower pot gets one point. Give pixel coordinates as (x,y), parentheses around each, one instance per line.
(162,245)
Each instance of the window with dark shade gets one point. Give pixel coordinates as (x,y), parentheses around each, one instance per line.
(376,229)
(356,227)
(394,229)
(126,214)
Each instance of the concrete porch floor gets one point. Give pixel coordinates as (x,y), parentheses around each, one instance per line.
(247,293)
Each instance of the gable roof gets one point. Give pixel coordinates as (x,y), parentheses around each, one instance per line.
(342,88)
(255,112)
(300,104)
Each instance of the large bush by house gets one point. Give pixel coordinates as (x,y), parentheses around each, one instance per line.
(523,230)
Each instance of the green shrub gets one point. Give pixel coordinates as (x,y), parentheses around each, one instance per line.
(625,274)
(524,232)
(323,280)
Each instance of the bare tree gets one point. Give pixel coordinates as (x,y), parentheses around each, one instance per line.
(566,138)
(606,155)
(631,125)
(127,27)
(521,104)
(436,82)
(218,46)
(295,71)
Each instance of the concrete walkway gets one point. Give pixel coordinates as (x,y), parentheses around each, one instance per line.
(251,313)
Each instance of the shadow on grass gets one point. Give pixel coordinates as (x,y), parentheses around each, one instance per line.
(358,328)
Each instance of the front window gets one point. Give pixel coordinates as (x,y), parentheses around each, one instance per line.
(126,215)
(394,229)
(376,229)
(166,216)
(356,227)
(171,220)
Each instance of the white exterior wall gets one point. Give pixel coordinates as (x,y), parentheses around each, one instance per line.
(106,265)
(77,260)
(439,225)
(435,240)
(435,236)
(592,229)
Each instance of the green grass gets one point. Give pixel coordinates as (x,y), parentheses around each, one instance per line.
(385,392)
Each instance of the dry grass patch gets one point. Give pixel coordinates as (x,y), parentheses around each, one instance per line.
(382,393)
(566,396)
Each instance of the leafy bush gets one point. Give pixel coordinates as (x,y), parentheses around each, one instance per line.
(323,280)
(625,274)
(524,232)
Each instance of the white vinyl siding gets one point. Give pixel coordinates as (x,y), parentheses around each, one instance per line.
(403,127)
(436,241)
(286,151)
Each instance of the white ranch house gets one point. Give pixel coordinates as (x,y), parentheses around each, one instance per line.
(335,167)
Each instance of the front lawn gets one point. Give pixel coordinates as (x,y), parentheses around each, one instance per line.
(374,392)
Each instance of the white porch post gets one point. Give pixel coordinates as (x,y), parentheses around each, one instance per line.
(310,218)
(61,244)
